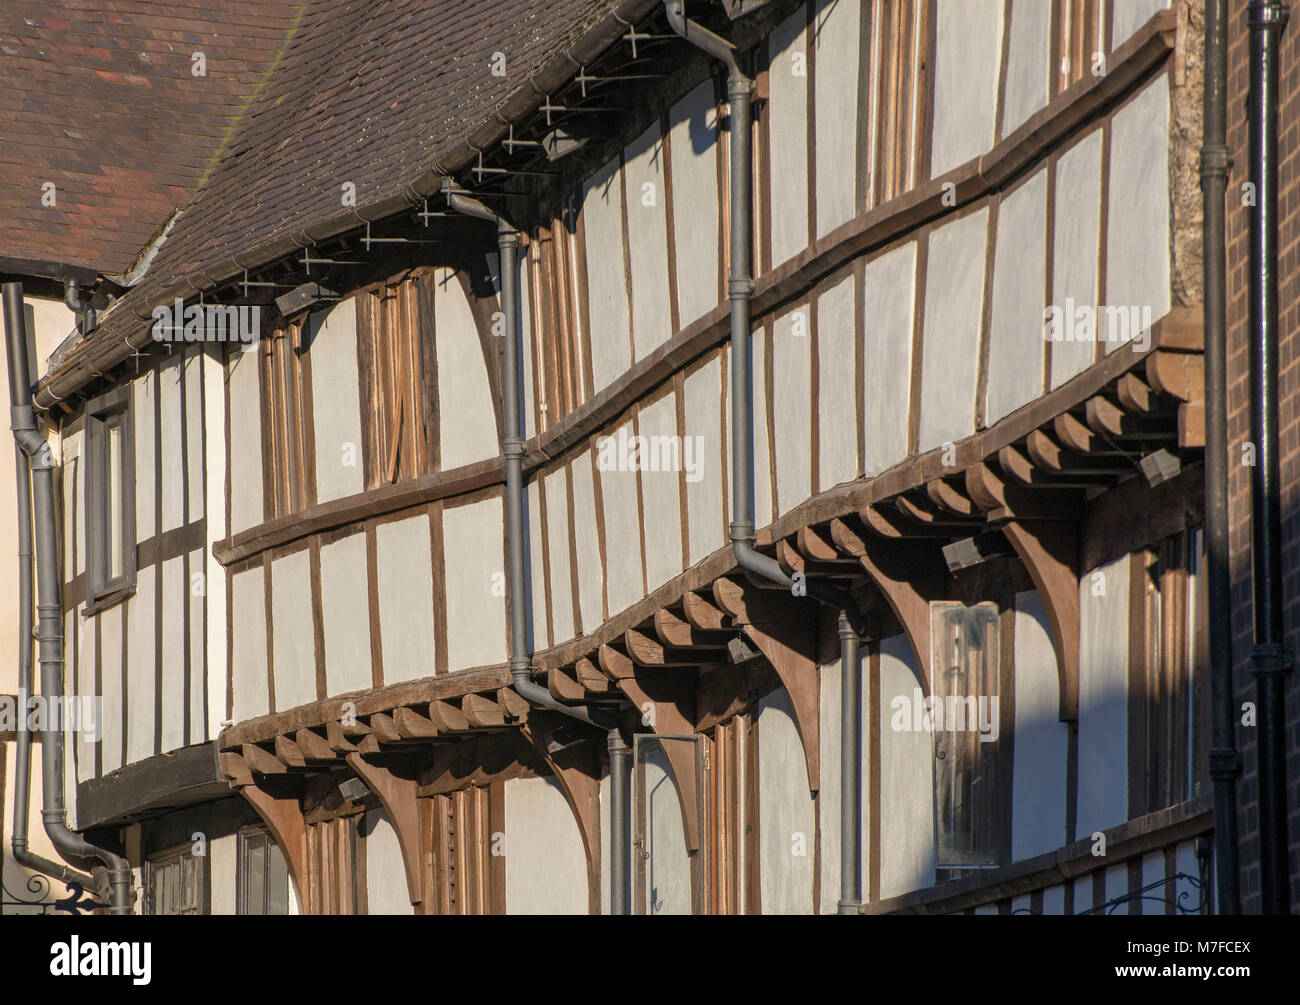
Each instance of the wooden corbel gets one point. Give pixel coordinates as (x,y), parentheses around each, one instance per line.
(577,769)
(1049,550)
(788,648)
(910,576)
(281,810)
(395,783)
(672,695)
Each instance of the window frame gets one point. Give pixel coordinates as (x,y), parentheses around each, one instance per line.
(109,411)
(245,836)
(176,855)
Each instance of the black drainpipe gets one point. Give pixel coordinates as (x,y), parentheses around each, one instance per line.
(512,447)
(1225,761)
(40,461)
(72,299)
(1270,659)
(740,287)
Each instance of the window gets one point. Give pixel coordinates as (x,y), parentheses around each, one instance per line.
(556,281)
(110,497)
(965,715)
(286,403)
(398,404)
(898,34)
(176,882)
(263,874)
(1163,652)
(1078,38)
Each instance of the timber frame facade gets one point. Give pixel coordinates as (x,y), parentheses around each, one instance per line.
(306,658)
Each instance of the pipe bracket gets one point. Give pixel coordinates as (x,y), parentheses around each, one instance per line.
(1268,659)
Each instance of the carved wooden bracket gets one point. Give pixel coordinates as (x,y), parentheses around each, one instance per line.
(672,693)
(281,811)
(910,576)
(577,769)
(395,783)
(787,648)
(1050,551)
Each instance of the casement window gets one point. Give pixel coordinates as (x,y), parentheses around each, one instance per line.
(336,866)
(964,714)
(467,877)
(288,451)
(263,874)
(398,403)
(1164,648)
(899,33)
(1078,36)
(110,497)
(557,312)
(176,882)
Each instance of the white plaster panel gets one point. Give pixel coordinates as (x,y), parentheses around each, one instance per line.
(199,684)
(245,442)
(557,534)
(1127,16)
(836,408)
(792,406)
(968,54)
(661,493)
(194,432)
(110,677)
(467,430)
(293,640)
(668,868)
(622,534)
(249,644)
(405,576)
(703,402)
(586,537)
(1076,237)
(536,569)
(146,445)
(907,843)
(172,655)
(546,865)
(607,298)
(787,816)
(1041,739)
(1137,235)
(1054,900)
(169,445)
(693,141)
(888,300)
(74,505)
(1029,57)
(1103,697)
(762,454)
(474,538)
(953,307)
(386,889)
(345,614)
(788,129)
(141,652)
(336,401)
(1019,282)
(84,731)
(647,227)
(836,42)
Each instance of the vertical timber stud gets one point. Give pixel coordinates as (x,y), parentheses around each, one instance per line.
(1225,761)
(1270,660)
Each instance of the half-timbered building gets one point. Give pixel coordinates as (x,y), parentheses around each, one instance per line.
(715,458)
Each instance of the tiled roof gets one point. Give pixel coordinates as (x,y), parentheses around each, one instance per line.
(388,95)
(99,98)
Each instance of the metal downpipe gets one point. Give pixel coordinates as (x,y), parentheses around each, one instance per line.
(1270,659)
(740,288)
(40,460)
(1225,761)
(512,447)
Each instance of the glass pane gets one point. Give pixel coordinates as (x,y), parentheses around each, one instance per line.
(255,900)
(113,521)
(277,881)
